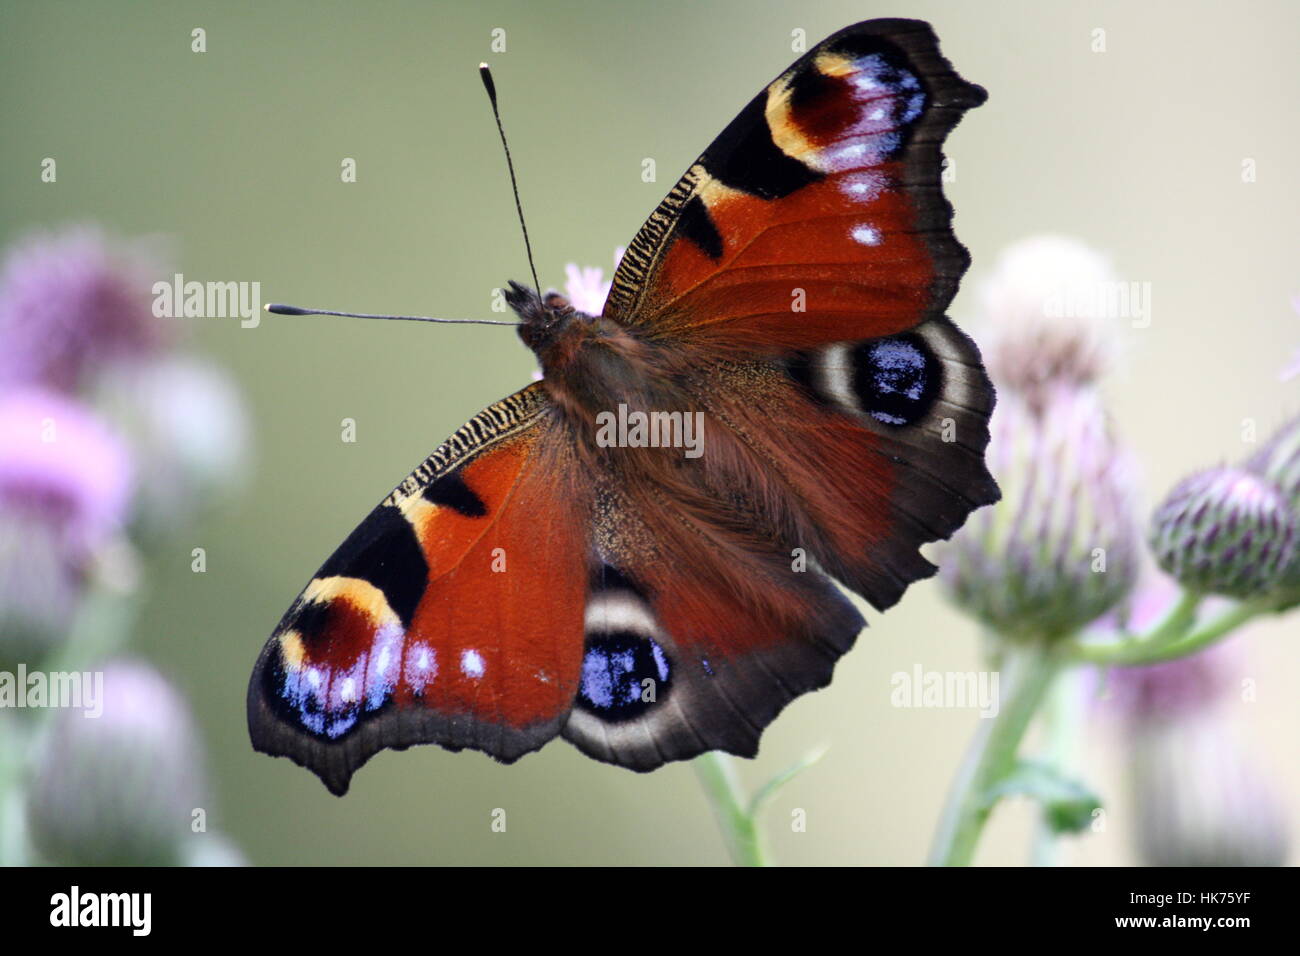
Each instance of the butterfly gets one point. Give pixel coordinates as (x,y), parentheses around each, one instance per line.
(561,566)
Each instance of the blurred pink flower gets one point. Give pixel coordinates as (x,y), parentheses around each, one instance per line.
(1200,796)
(586,287)
(56,454)
(1176,688)
(72,300)
(65,486)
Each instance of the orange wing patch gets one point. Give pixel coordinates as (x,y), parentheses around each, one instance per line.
(451,615)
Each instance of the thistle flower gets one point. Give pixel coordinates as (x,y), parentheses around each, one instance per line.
(1199,797)
(65,485)
(188,426)
(72,301)
(1062,547)
(586,287)
(119,789)
(1048,324)
(1225,531)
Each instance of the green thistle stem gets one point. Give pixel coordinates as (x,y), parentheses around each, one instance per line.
(992,755)
(740,831)
(1162,644)
(13,765)
(1063,716)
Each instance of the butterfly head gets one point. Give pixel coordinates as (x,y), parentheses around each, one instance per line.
(540,318)
(549,324)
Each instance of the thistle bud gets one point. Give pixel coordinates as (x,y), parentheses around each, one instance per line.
(120,788)
(1279,462)
(1225,531)
(1062,547)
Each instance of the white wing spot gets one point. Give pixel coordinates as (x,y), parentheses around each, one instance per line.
(866,235)
(471,663)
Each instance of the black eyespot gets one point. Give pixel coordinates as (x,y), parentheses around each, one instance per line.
(897,379)
(623,676)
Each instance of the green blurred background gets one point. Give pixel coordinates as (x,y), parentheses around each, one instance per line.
(236,154)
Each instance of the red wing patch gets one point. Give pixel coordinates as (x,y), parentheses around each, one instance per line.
(837,463)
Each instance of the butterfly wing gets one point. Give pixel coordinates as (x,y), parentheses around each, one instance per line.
(717,595)
(678,659)
(817,216)
(451,615)
(803,264)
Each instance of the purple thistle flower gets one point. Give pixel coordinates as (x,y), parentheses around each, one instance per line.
(65,486)
(1062,547)
(72,301)
(56,451)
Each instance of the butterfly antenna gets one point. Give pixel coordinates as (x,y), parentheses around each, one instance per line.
(280,309)
(485,74)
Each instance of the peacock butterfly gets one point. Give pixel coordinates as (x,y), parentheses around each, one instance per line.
(531,578)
